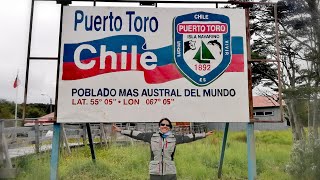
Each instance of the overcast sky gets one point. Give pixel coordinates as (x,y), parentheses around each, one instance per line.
(14,18)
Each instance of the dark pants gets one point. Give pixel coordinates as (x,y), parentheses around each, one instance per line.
(164,177)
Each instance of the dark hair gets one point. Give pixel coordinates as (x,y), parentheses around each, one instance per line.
(166,119)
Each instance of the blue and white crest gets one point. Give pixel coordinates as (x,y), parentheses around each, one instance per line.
(202,49)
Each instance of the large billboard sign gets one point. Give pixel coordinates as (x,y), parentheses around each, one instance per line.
(142,64)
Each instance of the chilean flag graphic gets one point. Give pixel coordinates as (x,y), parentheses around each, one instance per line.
(165,70)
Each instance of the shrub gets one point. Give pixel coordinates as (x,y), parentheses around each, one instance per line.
(305,160)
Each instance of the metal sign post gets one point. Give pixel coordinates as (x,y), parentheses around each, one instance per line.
(55,151)
(224,142)
(251,149)
(91,142)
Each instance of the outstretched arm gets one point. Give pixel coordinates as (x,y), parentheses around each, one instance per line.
(180,139)
(146,137)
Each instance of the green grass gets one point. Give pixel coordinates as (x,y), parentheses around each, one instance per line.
(197,160)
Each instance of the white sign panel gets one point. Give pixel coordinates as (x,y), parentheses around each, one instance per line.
(143,64)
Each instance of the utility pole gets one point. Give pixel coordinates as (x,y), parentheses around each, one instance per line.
(43,94)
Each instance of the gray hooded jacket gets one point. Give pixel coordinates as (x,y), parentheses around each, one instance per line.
(162,149)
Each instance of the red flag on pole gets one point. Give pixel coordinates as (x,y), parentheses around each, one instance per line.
(16,82)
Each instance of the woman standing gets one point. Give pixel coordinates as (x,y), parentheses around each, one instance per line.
(162,145)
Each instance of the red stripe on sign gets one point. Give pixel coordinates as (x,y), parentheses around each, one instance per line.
(162,74)
(158,75)
(237,63)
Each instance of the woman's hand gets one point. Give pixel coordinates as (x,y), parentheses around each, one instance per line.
(116,128)
(209,133)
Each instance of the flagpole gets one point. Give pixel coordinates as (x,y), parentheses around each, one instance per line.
(16,109)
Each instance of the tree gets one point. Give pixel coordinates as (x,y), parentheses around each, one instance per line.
(260,70)
(6,109)
(300,21)
(33,112)
(299,54)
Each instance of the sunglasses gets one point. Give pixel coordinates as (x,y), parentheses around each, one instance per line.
(162,124)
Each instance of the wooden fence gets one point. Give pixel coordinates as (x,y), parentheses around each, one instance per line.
(36,136)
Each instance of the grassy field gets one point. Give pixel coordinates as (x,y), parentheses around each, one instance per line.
(195,161)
